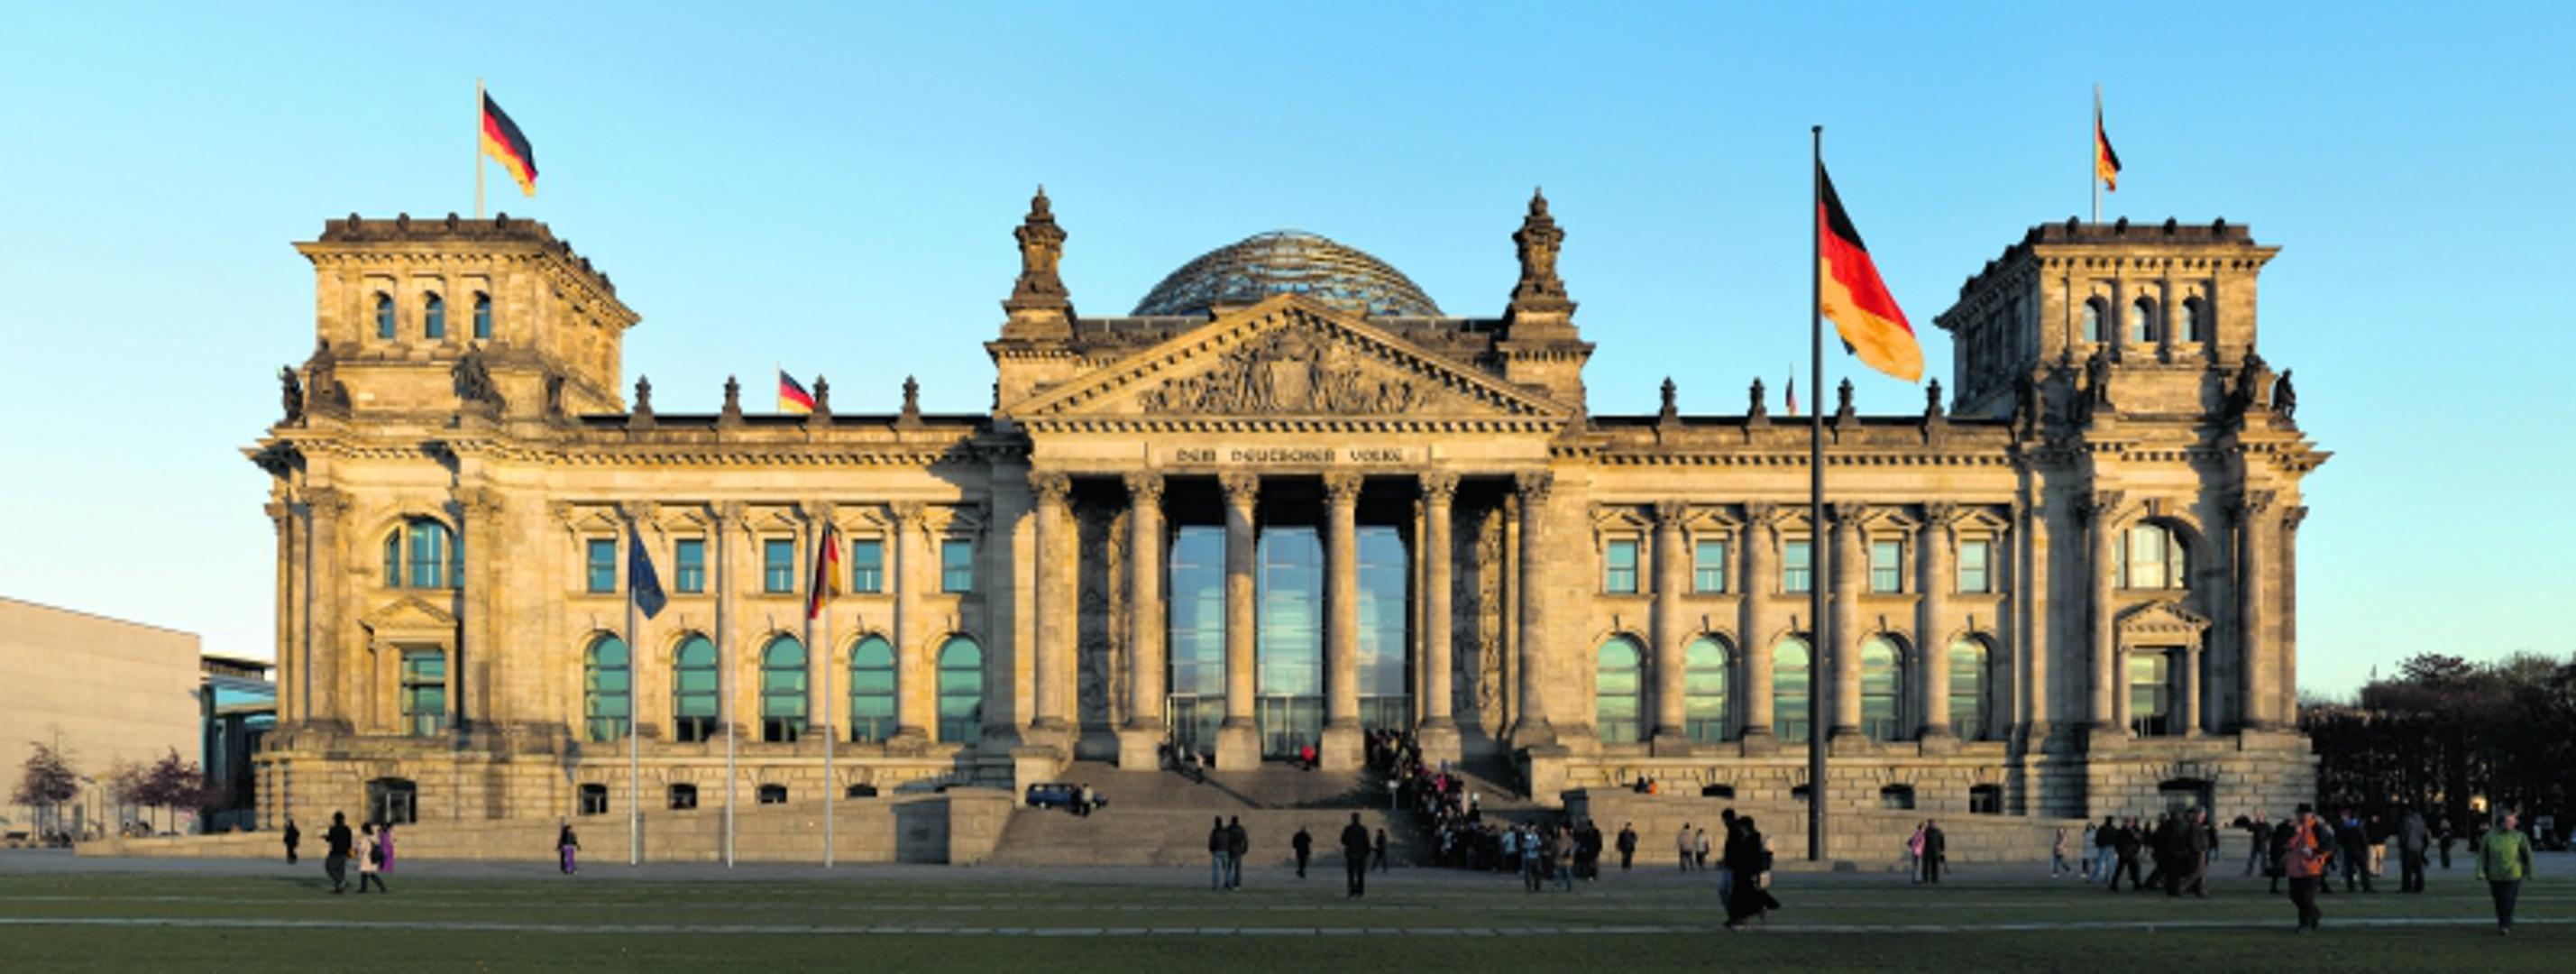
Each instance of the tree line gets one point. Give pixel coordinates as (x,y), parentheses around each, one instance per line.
(168,785)
(2452,738)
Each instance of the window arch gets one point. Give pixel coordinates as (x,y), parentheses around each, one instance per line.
(1617,691)
(433,317)
(782,690)
(2195,320)
(2153,555)
(1704,689)
(872,714)
(961,689)
(2142,320)
(607,686)
(693,689)
(1882,688)
(422,553)
(1970,660)
(384,316)
(482,315)
(2094,312)
(1791,681)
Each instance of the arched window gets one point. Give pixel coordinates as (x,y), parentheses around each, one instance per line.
(2153,556)
(482,315)
(2195,321)
(1616,693)
(1969,659)
(1882,689)
(607,687)
(961,690)
(2094,312)
(433,317)
(2142,321)
(782,690)
(1789,688)
(424,692)
(422,553)
(1704,690)
(871,690)
(384,316)
(693,689)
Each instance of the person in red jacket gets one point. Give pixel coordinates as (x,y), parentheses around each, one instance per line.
(2306,858)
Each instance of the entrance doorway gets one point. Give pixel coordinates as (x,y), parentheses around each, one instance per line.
(1288,723)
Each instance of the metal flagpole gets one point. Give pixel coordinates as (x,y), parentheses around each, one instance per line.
(2093,155)
(478,214)
(634,749)
(725,674)
(826,649)
(1816,508)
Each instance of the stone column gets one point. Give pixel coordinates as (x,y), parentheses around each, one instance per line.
(1341,746)
(1050,677)
(1851,576)
(2285,652)
(324,573)
(1144,730)
(1438,734)
(1533,728)
(2256,664)
(1238,739)
(1932,644)
(1754,620)
(1670,577)
(2029,596)
(724,533)
(916,673)
(479,645)
(2191,657)
(289,669)
(2100,514)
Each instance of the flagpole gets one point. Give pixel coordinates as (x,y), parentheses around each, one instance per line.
(1816,792)
(2093,155)
(820,592)
(725,675)
(478,190)
(634,749)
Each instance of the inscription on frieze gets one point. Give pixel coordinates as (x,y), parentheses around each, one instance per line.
(1290,456)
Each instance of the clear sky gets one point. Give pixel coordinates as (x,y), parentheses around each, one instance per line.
(833,187)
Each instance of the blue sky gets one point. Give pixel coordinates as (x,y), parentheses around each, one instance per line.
(833,186)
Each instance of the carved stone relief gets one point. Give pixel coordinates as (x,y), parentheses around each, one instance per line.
(1478,606)
(1102,541)
(1297,368)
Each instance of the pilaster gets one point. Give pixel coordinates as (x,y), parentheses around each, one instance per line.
(1341,745)
(1670,577)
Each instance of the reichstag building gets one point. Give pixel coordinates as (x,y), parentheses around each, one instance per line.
(1287,499)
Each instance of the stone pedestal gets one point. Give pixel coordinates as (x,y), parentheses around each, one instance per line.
(1137,747)
(1341,750)
(1670,743)
(1760,742)
(1439,741)
(1034,765)
(1238,746)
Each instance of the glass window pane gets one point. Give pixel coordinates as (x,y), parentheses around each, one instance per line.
(867,565)
(1968,661)
(1621,567)
(1973,568)
(1789,682)
(482,316)
(778,565)
(1704,690)
(961,690)
(1887,566)
(1708,570)
(1882,688)
(1618,689)
(956,566)
(601,560)
(1796,568)
(689,561)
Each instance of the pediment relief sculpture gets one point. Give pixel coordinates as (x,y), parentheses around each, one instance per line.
(2162,619)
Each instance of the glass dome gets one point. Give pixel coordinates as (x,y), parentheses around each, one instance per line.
(1288,262)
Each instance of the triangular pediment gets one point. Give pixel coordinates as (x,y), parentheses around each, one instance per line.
(409,617)
(1289,356)
(2162,619)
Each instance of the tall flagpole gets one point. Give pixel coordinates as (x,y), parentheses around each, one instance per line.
(478,214)
(634,749)
(2093,155)
(1816,792)
(820,592)
(725,682)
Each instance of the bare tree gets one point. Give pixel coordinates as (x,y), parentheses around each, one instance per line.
(47,783)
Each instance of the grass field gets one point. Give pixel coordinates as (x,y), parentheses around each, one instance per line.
(65,914)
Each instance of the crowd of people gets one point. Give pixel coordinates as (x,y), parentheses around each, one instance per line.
(372,846)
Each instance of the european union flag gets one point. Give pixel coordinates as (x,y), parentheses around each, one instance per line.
(641,583)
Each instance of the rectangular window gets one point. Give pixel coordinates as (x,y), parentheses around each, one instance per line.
(1797,568)
(867,565)
(601,560)
(1708,567)
(689,558)
(2150,693)
(1887,566)
(1619,568)
(778,565)
(424,692)
(594,799)
(1975,574)
(957,566)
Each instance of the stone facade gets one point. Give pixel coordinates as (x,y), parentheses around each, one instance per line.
(2106,515)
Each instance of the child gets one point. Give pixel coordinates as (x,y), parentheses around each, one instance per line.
(371,860)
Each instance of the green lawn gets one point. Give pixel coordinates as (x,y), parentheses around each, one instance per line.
(241,920)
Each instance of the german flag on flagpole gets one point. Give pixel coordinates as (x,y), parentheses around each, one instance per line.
(2106,163)
(502,141)
(1851,293)
(792,397)
(827,573)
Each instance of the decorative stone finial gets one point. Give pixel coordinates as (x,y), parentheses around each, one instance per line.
(1932,400)
(822,414)
(911,417)
(1759,409)
(1843,401)
(732,413)
(1539,239)
(641,417)
(1671,413)
(1041,250)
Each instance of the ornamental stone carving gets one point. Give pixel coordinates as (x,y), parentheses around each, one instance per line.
(1341,489)
(1296,368)
(1439,486)
(1145,487)
(1041,250)
(1241,489)
(1052,486)
(1534,485)
(1539,239)
(1671,512)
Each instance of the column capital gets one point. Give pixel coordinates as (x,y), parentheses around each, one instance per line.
(278,511)
(1534,485)
(728,514)
(1439,487)
(1669,514)
(639,512)
(1052,486)
(2099,506)
(1242,490)
(1848,515)
(1144,487)
(817,512)
(2290,517)
(326,502)
(1342,489)
(909,515)
(1940,514)
(2252,504)
(1760,513)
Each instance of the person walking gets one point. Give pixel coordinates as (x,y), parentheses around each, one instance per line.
(1627,845)
(385,841)
(2258,844)
(1303,844)
(1534,859)
(2190,858)
(2356,851)
(1355,851)
(371,860)
(1699,849)
(1377,854)
(294,837)
(2413,839)
(1237,844)
(2057,867)
(1730,829)
(1935,845)
(2159,847)
(1914,855)
(2442,834)
(1217,847)
(1687,846)
(1748,859)
(1082,800)
(566,845)
(336,843)
(2130,841)
(2276,852)
(2106,848)
(2503,860)
(2306,855)
(1565,845)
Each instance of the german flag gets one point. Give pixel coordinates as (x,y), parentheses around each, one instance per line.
(792,397)
(827,573)
(502,141)
(2106,163)
(1867,318)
